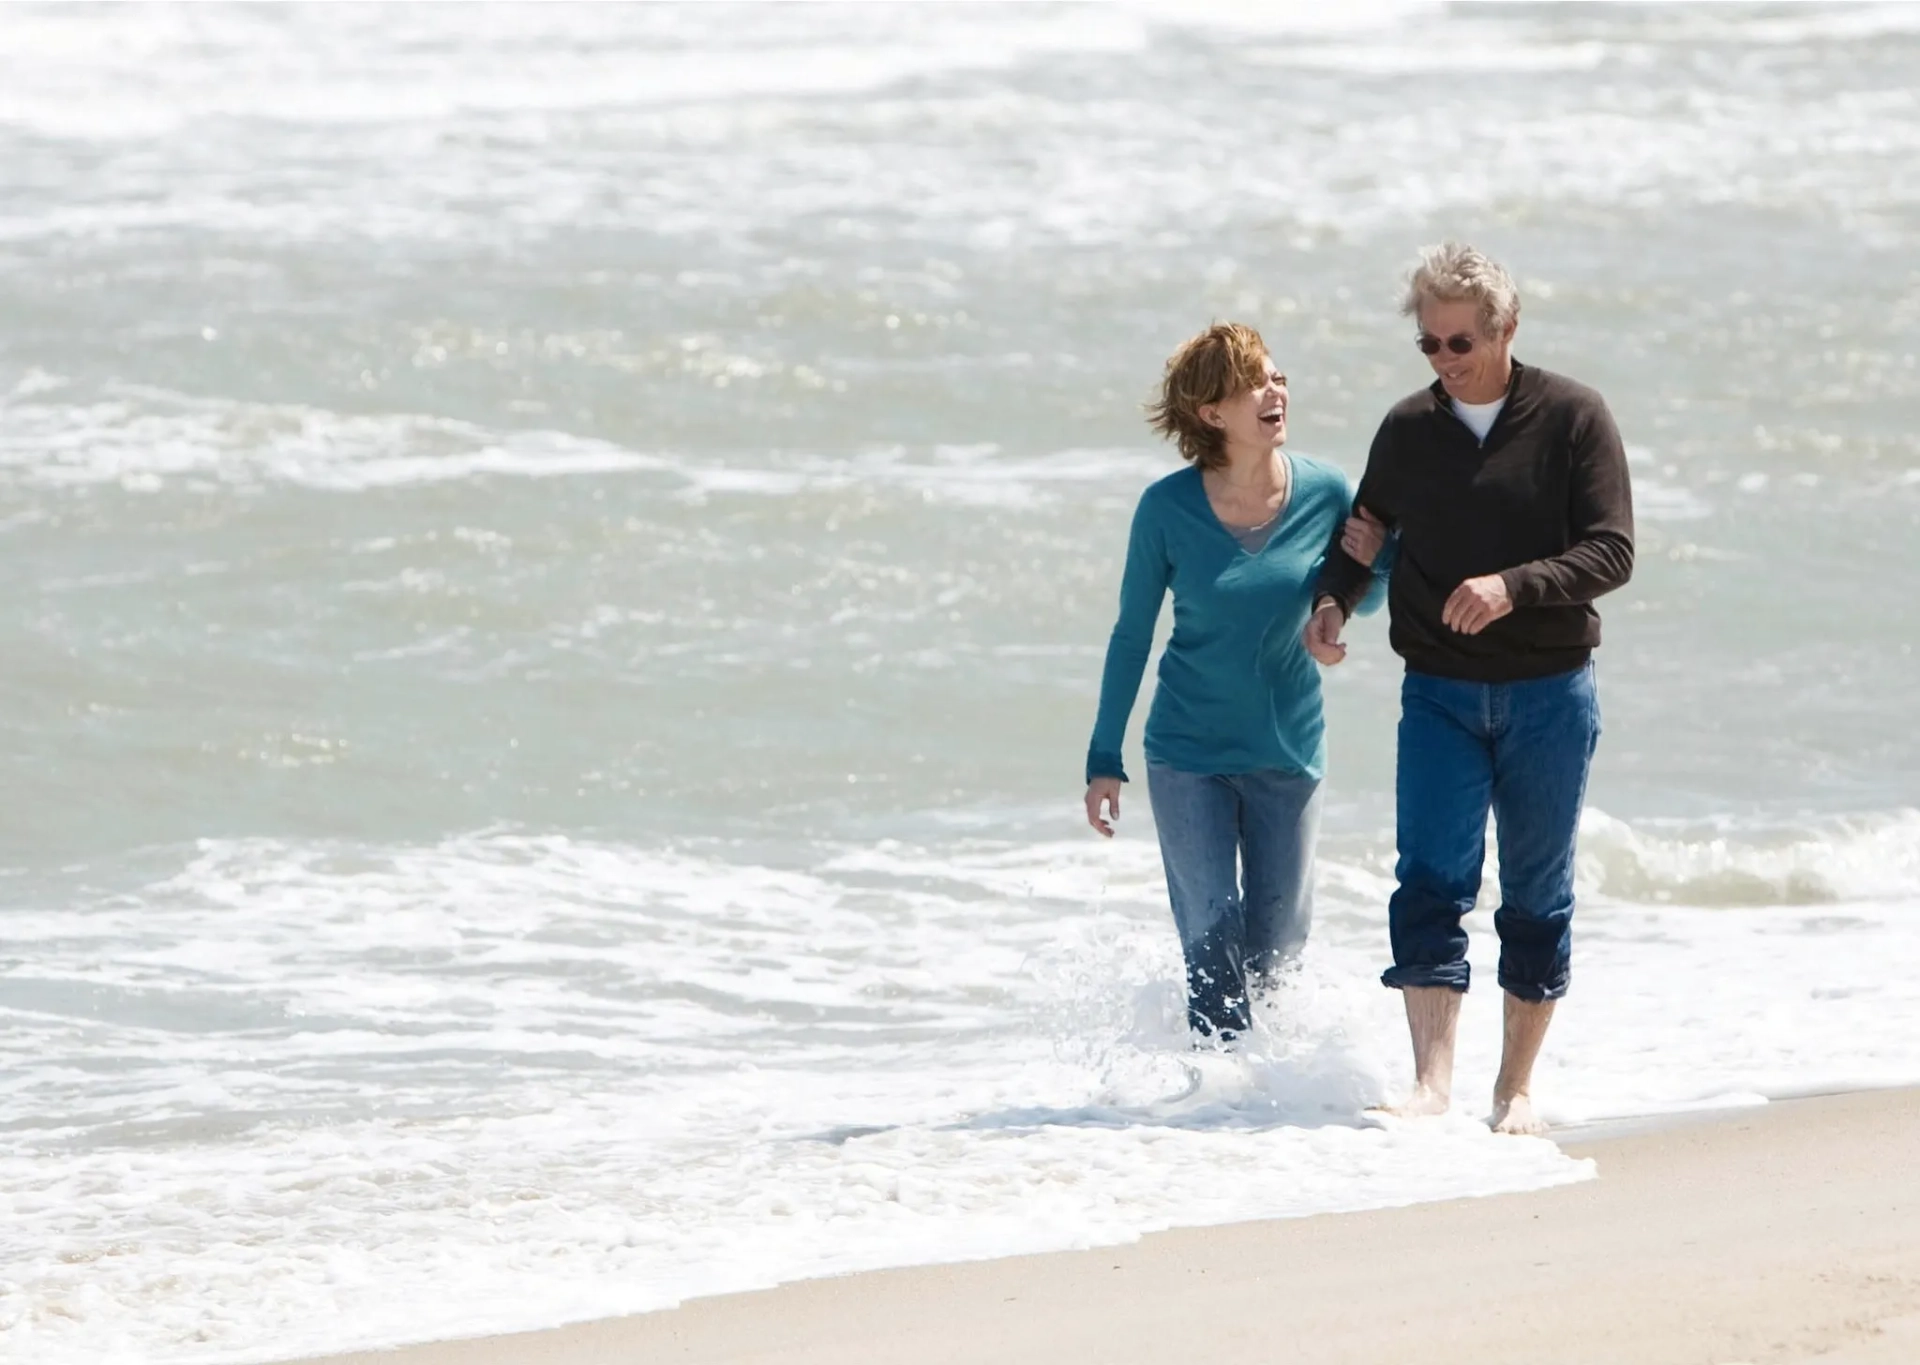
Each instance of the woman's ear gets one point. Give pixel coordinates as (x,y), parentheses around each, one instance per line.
(1210,414)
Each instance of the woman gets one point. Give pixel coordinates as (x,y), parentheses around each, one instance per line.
(1234,738)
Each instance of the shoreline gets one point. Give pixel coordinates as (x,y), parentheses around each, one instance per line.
(1778,1233)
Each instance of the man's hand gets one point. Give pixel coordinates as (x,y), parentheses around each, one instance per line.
(1362,536)
(1322,635)
(1101,789)
(1476,604)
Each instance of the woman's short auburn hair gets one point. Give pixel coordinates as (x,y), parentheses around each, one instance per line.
(1226,359)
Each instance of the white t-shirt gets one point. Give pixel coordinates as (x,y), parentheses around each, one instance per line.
(1479,417)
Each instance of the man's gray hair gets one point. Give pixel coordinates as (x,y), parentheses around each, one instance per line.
(1453,271)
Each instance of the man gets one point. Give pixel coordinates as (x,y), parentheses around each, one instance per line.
(1507,486)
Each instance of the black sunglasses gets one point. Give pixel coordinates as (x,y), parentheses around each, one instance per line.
(1459,343)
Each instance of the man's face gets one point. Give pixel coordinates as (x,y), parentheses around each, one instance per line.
(1479,376)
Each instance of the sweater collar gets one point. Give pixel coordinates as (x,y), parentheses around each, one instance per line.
(1519,385)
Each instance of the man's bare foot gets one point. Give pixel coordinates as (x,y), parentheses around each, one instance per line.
(1524,1029)
(1433,1015)
(1424,1103)
(1514,1115)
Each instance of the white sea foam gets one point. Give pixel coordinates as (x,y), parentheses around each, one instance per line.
(1656,500)
(369,1093)
(149,77)
(1812,24)
(360,1081)
(1298,20)
(672,95)
(146,439)
(142,439)
(978,476)
(1386,59)
(1839,861)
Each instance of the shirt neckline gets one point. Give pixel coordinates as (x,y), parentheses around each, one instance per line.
(1276,522)
(1445,399)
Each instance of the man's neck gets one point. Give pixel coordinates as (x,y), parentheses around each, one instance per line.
(1491,394)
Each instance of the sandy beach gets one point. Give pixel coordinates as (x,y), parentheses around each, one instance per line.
(1784,1233)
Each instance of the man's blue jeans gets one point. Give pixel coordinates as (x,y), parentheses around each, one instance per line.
(1235,932)
(1521,750)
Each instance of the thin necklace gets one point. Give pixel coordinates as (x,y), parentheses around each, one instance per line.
(1285,491)
(1286,473)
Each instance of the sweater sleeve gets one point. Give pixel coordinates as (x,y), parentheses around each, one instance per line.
(1143,586)
(1381,573)
(1352,584)
(1599,555)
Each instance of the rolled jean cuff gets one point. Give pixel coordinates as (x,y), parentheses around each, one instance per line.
(1453,975)
(1536,991)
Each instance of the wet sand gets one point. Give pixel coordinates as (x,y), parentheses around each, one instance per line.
(1785,1233)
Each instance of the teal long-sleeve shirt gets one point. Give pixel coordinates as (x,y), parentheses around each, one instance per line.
(1237,690)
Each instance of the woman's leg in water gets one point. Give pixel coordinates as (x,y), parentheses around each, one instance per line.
(1198,818)
(1279,824)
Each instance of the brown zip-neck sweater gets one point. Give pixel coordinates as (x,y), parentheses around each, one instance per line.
(1545,503)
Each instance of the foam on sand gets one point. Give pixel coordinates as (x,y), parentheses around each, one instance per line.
(366,1093)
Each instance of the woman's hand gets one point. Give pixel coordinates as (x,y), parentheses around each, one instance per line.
(1362,536)
(1105,789)
(1322,635)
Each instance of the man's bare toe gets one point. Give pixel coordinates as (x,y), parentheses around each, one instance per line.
(1515,1115)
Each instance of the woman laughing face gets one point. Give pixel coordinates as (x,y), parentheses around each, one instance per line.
(1254,420)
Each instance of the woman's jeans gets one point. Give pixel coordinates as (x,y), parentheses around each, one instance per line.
(1522,751)
(1235,932)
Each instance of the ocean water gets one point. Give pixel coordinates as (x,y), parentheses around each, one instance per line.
(558,562)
